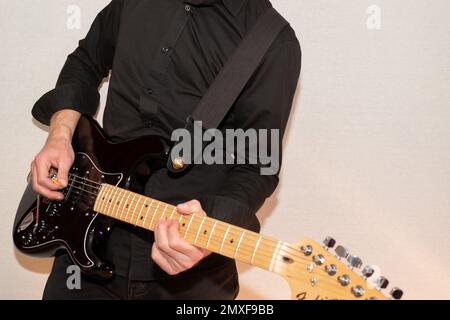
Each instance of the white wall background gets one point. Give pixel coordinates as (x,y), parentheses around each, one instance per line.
(367,154)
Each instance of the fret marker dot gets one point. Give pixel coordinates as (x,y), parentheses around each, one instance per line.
(205,232)
(183,224)
(127,206)
(232,240)
(142,217)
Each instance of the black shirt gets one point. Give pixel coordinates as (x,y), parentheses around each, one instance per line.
(163,55)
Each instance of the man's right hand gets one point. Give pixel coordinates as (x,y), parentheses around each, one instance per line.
(57,154)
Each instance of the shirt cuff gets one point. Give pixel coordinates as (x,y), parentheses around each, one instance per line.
(78,97)
(231,211)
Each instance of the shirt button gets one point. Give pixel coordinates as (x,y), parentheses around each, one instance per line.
(149,91)
(149,124)
(187,8)
(165,49)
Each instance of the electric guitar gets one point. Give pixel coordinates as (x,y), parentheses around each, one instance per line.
(102,188)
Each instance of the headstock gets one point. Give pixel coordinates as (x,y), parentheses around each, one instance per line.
(316,273)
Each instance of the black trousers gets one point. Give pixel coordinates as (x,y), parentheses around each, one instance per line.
(215,284)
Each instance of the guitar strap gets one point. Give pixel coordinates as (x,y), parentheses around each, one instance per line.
(228,84)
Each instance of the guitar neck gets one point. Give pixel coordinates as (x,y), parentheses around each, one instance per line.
(208,233)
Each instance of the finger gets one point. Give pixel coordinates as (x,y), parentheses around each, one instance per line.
(177,243)
(52,195)
(161,261)
(162,240)
(191,207)
(42,174)
(63,171)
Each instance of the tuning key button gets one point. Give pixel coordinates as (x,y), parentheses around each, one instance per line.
(344,280)
(382,282)
(329,242)
(396,293)
(354,261)
(319,259)
(331,269)
(307,250)
(341,252)
(368,271)
(358,291)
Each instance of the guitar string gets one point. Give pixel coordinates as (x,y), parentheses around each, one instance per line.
(325,276)
(269,257)
(275,242)
(288,250)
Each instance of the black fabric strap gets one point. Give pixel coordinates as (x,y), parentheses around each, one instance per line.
(231,80)
(234,75)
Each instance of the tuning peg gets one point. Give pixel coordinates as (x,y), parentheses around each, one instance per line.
(368,271)
(307,250)
(354,261)
(396,293)
(382,282)
(341,252)
(329,242)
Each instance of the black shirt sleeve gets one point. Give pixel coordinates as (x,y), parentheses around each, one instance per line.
(265,103)
(84,69)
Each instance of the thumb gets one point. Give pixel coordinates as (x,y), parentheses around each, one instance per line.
(63,172)
(190,207)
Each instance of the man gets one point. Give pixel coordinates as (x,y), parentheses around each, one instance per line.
(163,55)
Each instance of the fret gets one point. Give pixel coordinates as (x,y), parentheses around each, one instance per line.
(119,206)
(173,211)
(135,207)
(239,243)
(189,224)
(105,199)
(224,237)
(211,233)
(114,200)
(127,205)
(256,248)
(146,214)
(154,214)
(108,201)
(199,229)
(181,218)
(129,208)
(275,253)
(164,211)
(140,211)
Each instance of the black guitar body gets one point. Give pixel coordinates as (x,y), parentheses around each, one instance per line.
(42,227)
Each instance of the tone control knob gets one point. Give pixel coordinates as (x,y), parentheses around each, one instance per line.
(341,252)
(382,282)
(331,269)
(307,250)
(368,271)
(358,291)
(329,242)
(344,280)
(396,293)
(319,259)
(354,261)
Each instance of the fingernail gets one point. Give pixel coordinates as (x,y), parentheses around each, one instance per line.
(63,182)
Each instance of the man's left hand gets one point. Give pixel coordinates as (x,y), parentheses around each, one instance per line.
(170,251)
